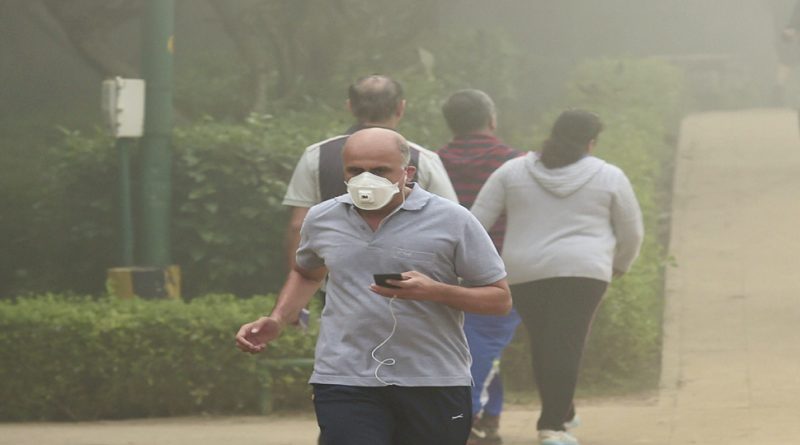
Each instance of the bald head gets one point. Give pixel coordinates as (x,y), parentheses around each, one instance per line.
(377,141)
(376,98)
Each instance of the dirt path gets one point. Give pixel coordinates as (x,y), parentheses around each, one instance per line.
(731,362)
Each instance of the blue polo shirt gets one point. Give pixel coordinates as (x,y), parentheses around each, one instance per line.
(428,234)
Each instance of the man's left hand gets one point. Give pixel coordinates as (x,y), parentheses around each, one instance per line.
(413,286)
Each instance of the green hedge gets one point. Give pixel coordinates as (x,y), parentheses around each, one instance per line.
(82,358)
(640,102)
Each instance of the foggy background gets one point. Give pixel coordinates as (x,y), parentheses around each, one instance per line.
(44,75)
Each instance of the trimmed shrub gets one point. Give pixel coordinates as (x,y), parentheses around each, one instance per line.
(81,358)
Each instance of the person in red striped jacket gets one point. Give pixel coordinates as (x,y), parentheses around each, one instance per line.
(473,154)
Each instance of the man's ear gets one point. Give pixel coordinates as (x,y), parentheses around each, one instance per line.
(493,123)
(349,106)
(401,109)
(411,173)
(592,144)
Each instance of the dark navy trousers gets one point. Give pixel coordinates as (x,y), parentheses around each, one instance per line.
(393,415)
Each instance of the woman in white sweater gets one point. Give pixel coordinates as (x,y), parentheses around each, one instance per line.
(573,224)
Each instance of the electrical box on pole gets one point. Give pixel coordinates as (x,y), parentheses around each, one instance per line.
(123,110)
(123,106)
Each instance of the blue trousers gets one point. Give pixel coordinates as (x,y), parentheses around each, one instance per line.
(487,336)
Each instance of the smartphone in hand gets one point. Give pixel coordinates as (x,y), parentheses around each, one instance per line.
(380,279)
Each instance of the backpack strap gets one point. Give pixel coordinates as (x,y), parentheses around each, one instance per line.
(331,175)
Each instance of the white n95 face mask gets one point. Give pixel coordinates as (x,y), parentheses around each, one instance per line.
(371,192)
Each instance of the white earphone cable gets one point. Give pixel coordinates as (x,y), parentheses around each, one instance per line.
(387,361)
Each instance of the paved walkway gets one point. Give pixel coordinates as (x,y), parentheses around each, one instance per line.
(731,362)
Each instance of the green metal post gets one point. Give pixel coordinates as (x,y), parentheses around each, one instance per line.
(126,215)
(157,61)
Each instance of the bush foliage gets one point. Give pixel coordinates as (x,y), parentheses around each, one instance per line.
(82,358)
(227,219)
(229,182)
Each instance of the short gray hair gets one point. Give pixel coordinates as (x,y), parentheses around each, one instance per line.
(375,98)
(468,110)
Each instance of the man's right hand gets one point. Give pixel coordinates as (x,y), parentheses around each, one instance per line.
(254,336)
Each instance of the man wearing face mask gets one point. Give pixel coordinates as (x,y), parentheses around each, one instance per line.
(392,366)
(375,101)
